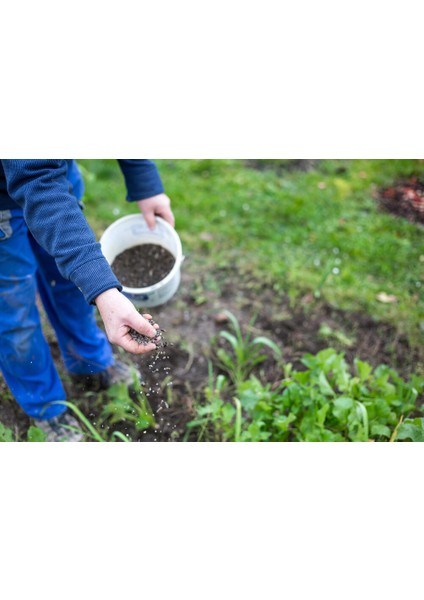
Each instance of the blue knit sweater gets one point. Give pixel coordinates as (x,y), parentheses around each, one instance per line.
(47,190)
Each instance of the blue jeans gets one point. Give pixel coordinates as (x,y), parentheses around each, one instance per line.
(25,358)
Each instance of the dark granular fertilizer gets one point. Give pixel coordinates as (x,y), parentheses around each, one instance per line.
(159,340)
(143,265)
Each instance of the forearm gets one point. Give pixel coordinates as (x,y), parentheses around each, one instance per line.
(142,178)
(56,221)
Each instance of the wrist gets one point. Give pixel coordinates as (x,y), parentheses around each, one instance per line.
(105,296)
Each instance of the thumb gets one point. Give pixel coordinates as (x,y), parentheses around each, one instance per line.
(140,324)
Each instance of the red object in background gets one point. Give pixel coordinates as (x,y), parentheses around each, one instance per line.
(405,199)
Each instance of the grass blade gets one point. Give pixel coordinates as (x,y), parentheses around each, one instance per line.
(82,418)
(120,436)
(237,433)
(267,342)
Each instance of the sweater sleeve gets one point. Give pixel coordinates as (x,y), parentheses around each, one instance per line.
(57,223)
(141,178)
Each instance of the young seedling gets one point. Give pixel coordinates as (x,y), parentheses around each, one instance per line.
(246,351)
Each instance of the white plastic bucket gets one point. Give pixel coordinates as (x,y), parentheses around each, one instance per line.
(131,231)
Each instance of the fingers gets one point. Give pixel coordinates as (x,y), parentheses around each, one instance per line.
(162,211)
(134,347)
(156,205)
(149,216)
(149,318)
(140,324)
(167,214)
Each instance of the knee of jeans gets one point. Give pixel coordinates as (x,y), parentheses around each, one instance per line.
(19,342)
(21,353)
(17,299)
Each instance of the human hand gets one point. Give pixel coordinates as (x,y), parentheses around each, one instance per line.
(118,315)
(159,205)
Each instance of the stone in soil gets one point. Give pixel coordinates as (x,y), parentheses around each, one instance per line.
(142,266)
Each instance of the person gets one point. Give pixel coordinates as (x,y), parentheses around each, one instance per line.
(47,246)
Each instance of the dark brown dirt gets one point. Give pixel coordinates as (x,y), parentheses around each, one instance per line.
(175,376)
(143,265)
(405,199)
(10,413)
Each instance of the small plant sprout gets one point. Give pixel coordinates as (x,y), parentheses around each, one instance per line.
(246,351)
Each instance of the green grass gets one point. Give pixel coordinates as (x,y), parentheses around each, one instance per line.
(319,232)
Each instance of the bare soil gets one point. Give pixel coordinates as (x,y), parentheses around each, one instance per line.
(175,376)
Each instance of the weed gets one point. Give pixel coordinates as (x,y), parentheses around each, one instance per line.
(34,434)
(246,351)
(214,420)
(123,407)
(6,434)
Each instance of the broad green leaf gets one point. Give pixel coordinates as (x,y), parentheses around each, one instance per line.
(363,369)
(6,434)
(228,413)
(380,430)
(35,434)
(411,429)
(142,423)
(324,385)
(363,413)
(342,406)
(282,422)
(322,413)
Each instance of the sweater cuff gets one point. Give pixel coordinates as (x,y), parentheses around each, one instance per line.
(142,178)
(93,278)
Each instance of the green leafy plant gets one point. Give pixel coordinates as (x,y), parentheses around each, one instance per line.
(126,405)
(245,351)
(34,434)
(6,434)
(325,402)
(411,430)
(214,420)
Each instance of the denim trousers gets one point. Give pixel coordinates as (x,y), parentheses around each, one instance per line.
(25,359)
